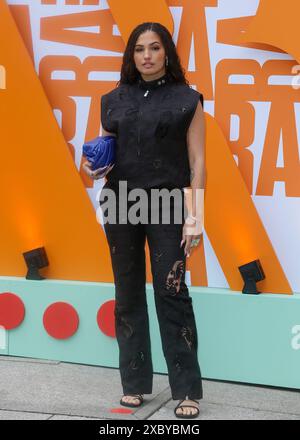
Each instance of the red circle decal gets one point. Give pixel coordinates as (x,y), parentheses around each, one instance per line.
(12,310)
(61,320)
(106,318)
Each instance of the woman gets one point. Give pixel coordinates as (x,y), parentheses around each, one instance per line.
(159,123)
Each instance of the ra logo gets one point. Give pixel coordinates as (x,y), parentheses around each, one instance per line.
(2,78)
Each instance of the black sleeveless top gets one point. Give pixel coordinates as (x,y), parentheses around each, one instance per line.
(150,120)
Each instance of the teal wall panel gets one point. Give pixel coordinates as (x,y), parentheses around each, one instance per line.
(243,338)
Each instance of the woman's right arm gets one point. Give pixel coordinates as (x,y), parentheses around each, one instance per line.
(107,133)
(100,172)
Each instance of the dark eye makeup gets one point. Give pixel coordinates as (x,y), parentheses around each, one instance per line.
(138,49)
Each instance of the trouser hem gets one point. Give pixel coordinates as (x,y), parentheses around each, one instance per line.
(190,396)
(143,391)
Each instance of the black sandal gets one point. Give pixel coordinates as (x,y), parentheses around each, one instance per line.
(186,416)
(133,405)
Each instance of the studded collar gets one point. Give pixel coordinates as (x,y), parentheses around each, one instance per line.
(153,84)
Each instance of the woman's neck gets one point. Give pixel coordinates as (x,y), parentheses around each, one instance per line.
(158,75)
(158,81)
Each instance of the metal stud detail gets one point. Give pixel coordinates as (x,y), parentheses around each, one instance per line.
(157,163)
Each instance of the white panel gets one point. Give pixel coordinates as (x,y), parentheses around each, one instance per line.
(3,338)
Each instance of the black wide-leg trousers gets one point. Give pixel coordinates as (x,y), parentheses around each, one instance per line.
(173,305)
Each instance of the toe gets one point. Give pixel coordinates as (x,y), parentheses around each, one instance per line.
(180,410)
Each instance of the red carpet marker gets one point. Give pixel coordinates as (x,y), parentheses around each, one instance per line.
(121,410)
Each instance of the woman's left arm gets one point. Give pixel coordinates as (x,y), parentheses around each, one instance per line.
(194,195)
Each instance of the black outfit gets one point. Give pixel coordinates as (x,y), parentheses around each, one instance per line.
(151,120)
(151,132)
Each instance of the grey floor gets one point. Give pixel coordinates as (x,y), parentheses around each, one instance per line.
(37,389)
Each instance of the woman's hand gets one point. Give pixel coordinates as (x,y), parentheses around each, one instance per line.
(98,173)
(192,230)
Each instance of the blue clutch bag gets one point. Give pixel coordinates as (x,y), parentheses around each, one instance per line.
(100,151)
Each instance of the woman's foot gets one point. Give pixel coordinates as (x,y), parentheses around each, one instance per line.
(133,400)
(188,408)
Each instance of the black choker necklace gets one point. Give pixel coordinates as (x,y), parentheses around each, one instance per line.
(147,85)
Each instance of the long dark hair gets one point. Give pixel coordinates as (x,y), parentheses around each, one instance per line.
(174,70)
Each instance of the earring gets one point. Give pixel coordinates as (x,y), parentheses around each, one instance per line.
(167,61)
